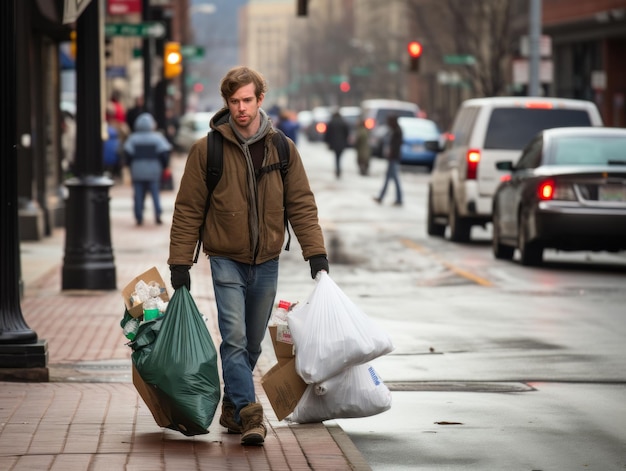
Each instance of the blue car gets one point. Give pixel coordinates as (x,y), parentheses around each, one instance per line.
(415,132)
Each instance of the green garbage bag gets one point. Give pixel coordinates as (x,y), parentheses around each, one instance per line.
(176,356)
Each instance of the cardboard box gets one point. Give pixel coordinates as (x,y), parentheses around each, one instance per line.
(282,342)
(283,386)
(148,276)
(150,396)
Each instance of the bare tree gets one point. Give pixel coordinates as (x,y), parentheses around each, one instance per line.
(484,30)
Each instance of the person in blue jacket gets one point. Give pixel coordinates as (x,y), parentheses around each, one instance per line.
(110,153)
(147,154)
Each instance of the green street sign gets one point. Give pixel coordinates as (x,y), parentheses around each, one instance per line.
(192,52)
(459,59)
(145,30)
(361,71)
(337,79)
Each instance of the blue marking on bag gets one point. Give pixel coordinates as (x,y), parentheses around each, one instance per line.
(374,376)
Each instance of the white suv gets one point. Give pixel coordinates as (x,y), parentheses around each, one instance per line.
(486,130)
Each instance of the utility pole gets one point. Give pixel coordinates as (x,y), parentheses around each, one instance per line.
(147,52)
(534,36)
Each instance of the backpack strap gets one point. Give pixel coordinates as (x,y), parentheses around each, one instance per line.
(282,146)
(214,164)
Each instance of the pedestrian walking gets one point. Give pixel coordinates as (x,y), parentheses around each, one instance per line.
(288,124)
(147,154)
(111,150)
(135,111)
(337,132)
(242,234)
(391,151)
(362,145)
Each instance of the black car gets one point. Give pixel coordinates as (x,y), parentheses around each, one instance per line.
(567,191)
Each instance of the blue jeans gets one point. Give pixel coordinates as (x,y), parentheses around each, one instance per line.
(245,297)
(393,173)
(140,189)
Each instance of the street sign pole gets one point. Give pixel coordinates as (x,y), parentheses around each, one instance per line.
(148,50)
(534,35)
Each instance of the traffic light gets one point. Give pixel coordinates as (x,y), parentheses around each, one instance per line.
(415,51)
(344,86)
(172,60)
(73,43)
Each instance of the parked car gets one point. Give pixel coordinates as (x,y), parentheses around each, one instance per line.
(317,128)
(191,127)
(304,118)
(484,131)
(567,191)
(375,113)
(415,132)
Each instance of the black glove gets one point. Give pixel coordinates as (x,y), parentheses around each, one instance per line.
(318,263)
(180,276)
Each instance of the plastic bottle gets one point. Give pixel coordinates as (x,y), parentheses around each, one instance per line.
(150,309)
(280,315)
(130,328)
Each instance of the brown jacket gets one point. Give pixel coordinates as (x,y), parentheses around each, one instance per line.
(245,221)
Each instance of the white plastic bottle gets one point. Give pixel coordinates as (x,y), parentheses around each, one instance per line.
(130,328)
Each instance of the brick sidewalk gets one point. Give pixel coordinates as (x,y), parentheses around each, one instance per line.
(89,416)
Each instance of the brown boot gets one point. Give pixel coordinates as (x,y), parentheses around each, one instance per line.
(252,427)
(227,419)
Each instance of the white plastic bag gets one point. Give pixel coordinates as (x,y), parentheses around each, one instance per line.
(355,392)
(330,333)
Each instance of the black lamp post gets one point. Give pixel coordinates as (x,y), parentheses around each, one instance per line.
(88,262)
(22,355)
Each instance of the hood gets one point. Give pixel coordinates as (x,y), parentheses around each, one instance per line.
(145,123)
(220,117)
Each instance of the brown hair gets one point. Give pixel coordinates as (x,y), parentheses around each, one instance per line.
(239,76)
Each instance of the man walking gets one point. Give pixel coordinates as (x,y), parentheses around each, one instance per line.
(243,236)
(336,137)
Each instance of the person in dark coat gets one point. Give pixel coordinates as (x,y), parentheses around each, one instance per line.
(336,137)
(391,151)
(134,112)
(147,153)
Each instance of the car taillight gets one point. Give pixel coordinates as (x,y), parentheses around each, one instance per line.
(320,128)
(472,157)
(549,190)
(370,123)
(546,190)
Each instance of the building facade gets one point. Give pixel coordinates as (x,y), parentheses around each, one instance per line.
(588,43)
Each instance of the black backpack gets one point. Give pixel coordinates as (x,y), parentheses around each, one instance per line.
(214,157)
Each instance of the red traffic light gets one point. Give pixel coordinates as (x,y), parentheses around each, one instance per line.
(344,87)
(415,49)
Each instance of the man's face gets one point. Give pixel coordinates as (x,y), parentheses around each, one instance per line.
(244,108)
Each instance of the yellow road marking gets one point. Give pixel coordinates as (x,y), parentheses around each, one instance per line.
(453,268)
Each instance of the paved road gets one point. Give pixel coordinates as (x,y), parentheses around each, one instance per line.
(496,366)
